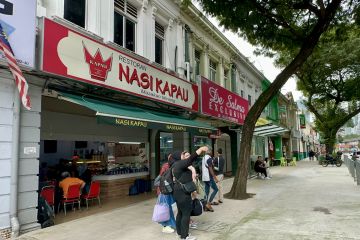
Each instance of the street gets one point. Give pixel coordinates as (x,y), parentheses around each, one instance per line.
(303,202)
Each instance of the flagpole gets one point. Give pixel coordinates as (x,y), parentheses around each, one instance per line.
(15,226)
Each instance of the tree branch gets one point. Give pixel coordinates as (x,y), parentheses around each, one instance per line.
(313,109)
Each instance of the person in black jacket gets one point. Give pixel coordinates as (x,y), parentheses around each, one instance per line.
(183,199)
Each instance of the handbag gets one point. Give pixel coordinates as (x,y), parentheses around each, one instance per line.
(161,210)
(197,207)
(200,189)
(188,187)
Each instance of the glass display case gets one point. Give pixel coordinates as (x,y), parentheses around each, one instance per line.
(127,157)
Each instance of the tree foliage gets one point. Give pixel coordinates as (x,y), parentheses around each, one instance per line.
(275,27)
(330,81)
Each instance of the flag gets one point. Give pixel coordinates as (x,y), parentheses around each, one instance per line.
(20,81)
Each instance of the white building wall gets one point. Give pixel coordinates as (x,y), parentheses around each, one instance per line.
(6,119)
(28,162)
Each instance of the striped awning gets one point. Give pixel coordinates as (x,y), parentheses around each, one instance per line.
(269,130)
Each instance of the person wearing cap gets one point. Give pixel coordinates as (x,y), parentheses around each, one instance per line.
(183,199)
(68,180)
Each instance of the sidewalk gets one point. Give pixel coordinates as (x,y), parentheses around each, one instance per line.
(303,202)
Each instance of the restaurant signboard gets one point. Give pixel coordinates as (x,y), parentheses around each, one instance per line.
(70,54)
(218,102)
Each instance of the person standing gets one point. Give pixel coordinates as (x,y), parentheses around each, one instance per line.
(218,164)
(170,225)
(183,199)
(209,178)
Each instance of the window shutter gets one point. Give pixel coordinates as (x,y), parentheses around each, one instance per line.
(159,30)
(212,65)
(120,5)
(131,10)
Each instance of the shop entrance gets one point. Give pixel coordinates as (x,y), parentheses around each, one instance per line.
(224,142)
(115,156)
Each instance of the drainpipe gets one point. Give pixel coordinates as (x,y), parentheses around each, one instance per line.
(15,226)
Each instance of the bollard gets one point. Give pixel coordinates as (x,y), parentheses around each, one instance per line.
(357,163)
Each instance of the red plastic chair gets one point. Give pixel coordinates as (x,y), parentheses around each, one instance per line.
(94,193)
(73,196)
(48,193)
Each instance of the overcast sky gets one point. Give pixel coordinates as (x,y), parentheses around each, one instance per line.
(264,64)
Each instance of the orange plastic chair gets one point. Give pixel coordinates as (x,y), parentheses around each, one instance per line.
(73,196)
(94,193)
(48,193)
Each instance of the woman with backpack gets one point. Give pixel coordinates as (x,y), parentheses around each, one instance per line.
(182,176)
(170,225)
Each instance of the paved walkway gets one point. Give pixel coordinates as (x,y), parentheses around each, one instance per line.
(303,202)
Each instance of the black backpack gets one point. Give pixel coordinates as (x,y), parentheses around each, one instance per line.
(167,182)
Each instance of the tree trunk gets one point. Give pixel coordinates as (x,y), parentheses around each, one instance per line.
(238,189)
(330,139)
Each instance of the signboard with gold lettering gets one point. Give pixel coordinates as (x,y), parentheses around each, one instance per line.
(153,125)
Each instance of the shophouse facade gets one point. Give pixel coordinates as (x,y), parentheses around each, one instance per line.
(118,84)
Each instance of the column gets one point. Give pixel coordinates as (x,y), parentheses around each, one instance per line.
(220,73)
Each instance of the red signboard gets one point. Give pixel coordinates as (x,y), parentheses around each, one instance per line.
(71,54)
(218,102)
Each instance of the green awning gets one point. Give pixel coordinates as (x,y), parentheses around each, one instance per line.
(131,116)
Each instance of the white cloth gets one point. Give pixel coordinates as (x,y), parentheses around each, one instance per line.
(205,169)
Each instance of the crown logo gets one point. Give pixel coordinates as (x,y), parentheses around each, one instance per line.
(98,67)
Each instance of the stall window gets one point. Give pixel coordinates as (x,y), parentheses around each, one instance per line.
(166,146)
(74,11)
(125,16)
(249,100)
(159,43)
(212,72)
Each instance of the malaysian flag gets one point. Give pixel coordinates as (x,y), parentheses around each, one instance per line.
(15,70)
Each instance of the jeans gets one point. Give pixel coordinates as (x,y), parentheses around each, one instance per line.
(169,199)
(215,189)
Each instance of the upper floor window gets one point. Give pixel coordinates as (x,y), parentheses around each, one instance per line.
(125,16)
(249,100)
(226,79)
(74,11)
(197,62)
(212,70)
(159,43)
(242,93)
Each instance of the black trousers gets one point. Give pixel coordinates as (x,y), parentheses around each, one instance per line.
(261,170)
(184,205)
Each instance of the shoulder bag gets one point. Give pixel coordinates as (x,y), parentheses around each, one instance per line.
(188,187)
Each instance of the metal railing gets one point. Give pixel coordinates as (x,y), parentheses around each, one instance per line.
(354,168)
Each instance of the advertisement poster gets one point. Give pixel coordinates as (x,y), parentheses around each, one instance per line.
(70,54)
(219,102)
(18,19)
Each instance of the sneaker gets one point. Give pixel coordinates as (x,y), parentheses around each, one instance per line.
(220,201)
(189,238)
(267,178)
(214,203)
(193,225)
(167,229)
